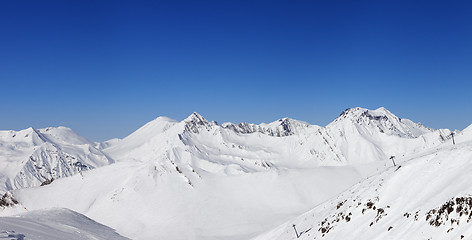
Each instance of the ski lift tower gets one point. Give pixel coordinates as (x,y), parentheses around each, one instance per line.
(393,160)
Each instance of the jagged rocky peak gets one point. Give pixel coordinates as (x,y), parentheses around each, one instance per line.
(195,117)
(382,120)
(196,121)
(359,113)
(280,128)
(290,126)
(366,116)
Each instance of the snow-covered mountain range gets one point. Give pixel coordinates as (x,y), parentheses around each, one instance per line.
(357,136)
(197,179)
(32,157)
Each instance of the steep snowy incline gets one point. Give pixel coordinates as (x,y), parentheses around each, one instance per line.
(127,147)
(363,135)
(427,197)
(55,224)
(32,156)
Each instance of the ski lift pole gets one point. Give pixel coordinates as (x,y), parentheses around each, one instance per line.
(392,158)
(296,233)
(452,135)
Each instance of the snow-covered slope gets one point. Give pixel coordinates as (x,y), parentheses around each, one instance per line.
(54,224)
(360,135)
(427,196)
(31,157)
(154,201)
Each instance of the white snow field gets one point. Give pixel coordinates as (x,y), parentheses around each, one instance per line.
(151,201)
(54,224)
(197,179)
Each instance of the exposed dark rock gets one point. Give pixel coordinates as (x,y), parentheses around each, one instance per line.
(7,200)
(47,182)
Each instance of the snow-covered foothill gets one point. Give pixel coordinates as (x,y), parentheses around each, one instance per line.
(54,224)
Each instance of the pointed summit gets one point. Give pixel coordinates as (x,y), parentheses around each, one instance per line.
(195,121)
(195,117)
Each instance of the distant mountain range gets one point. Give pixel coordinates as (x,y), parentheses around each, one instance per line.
(34,156)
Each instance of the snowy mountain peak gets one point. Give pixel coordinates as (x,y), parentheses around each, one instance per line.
(152,128)
(358,112)
(288,126)
(32,156)
(196,121)
(195,117)
(30,135)
(381,120)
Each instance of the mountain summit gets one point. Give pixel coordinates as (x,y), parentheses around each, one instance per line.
(383,120)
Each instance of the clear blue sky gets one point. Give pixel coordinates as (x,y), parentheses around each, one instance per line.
(105,68)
